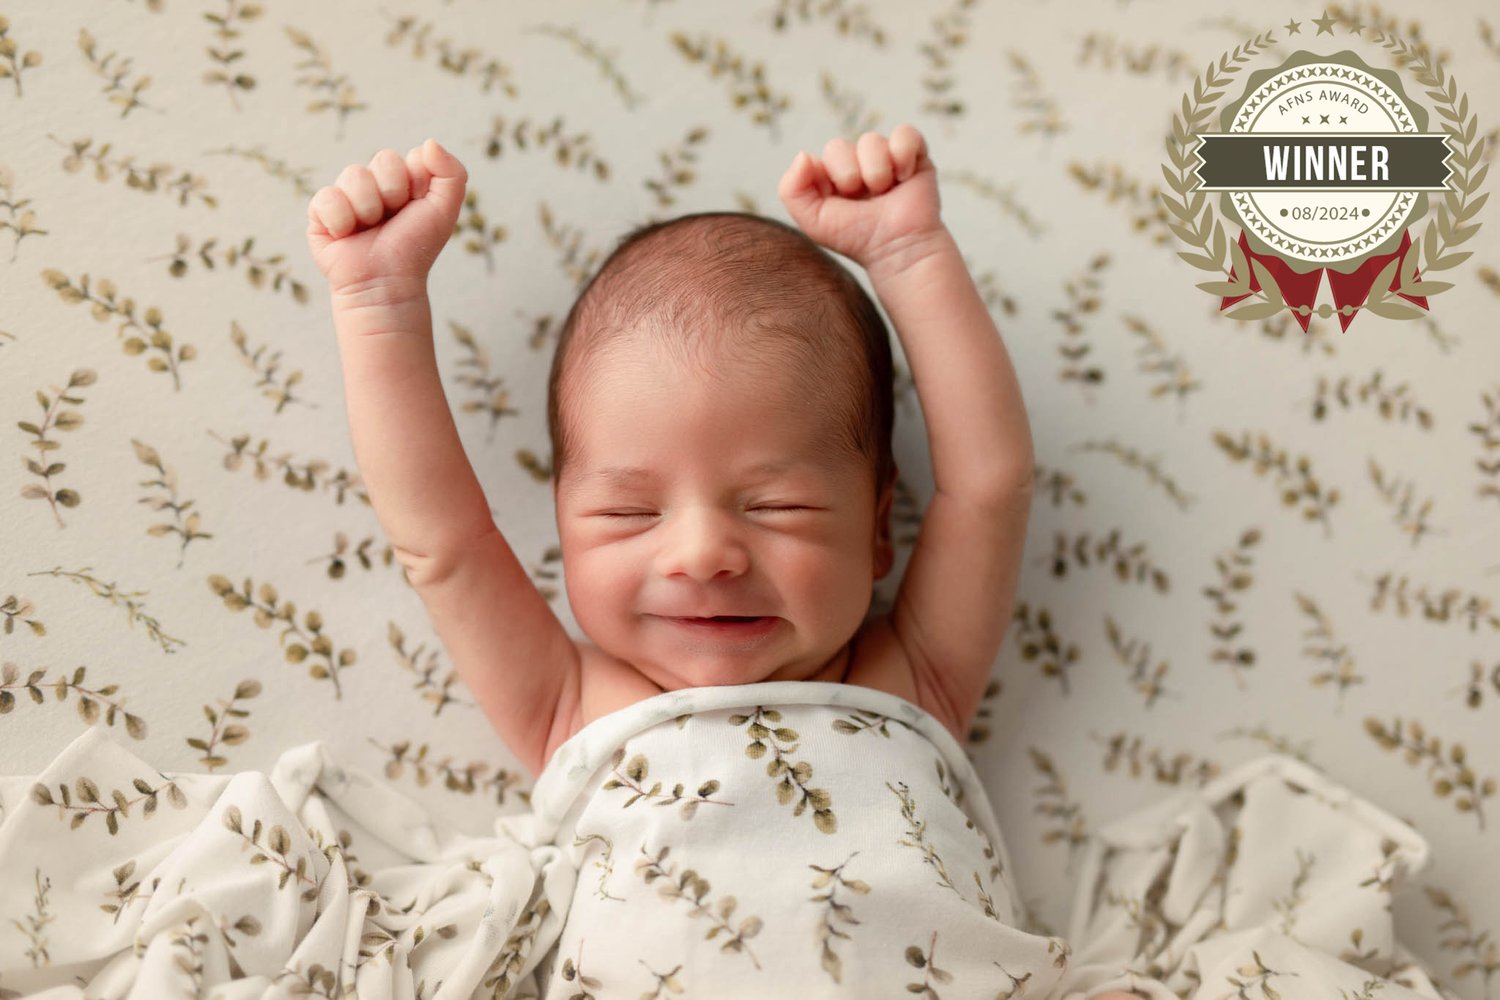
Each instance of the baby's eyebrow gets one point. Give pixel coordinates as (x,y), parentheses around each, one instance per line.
(623,475)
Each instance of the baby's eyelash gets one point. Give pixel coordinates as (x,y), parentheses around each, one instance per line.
(610,513)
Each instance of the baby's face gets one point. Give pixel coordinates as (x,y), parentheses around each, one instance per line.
(695,531)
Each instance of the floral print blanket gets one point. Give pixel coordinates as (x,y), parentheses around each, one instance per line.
(790,839)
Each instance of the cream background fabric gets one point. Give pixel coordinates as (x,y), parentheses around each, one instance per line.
(209,457)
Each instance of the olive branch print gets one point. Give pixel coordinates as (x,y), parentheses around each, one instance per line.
(606,865)
(1448,774)
(24,226)
(256,269)
(1109,50)
(1450,605)
(748,87)
(335,92)
(833,879)
(1391,404)
(1410,519)
(1056,804)
(512,957)
(225,33)
(634,778)
(224,731)
(112,593)
(12,608)
(862,720)
(89,699)
(277,850)
(949,34)
(187,529)
(852,21)
(603,59)
(569,151)
(587,984)
(487,391)
(63,420)
(485,236)
(466,779)
(1041,113)
(849,105)
(1083,299)
(676,167)
(693,889)
(491,73)
(1147,215)
(917,831)
(1145,678)
(1256,975)
(145,179)
(151,336)
(1294,481)
(1133,459)
(762,737)
(1482,948)
(919,959)
(1234,576)
(127,96)
(577,261)
(304,477)
(36,922)
(1474,697)
(275,167)
(1166,769)
(1131,564)
(1324,647)
(1037,639)
(1010,206)
(126,892)
(307,639)
(90,804)
(1488,432)
(439,693)
(10,65)
(266,368)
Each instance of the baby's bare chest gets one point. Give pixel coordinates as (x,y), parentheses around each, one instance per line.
(609,684)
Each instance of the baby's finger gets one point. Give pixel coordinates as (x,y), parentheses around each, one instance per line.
(330,209)
(416,170)
(843,168)
(875,162)
(908,149)
(391,178)
(358,185)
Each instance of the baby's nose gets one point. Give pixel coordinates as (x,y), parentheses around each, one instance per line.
(703,543)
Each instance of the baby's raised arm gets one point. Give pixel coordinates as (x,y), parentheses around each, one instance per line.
(375,234)
(877,204)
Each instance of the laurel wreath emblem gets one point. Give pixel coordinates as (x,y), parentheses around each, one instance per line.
(1200,227)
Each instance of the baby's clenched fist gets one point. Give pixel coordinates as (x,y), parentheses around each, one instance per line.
(377,230)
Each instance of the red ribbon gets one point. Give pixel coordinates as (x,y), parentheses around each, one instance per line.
(1299,289)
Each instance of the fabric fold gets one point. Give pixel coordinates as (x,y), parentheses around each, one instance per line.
(796,839)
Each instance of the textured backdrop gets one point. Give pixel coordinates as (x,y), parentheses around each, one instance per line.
(1245,538)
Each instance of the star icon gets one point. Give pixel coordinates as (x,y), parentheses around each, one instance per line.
(1306,120)
(1323,120)
(1324,23)
(1356,27)
(1343,119)
(1293,27)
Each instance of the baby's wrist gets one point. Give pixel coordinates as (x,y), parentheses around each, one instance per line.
(381,292)
(909,251)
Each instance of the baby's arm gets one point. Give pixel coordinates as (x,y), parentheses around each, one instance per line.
(375,235)
(878,205)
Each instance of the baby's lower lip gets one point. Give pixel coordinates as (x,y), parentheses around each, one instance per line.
(730,627)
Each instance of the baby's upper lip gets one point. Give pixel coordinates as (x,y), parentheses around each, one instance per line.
(717,614)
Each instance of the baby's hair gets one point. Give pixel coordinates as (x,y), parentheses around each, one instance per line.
(785,306)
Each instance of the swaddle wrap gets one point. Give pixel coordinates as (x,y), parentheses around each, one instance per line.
(790,839)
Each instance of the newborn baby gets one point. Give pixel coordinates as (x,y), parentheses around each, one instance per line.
(720,412)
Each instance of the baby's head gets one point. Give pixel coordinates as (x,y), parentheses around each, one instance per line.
(704,348)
